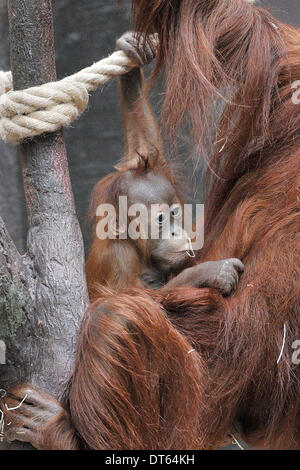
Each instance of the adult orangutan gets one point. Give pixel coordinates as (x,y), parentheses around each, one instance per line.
(138,384)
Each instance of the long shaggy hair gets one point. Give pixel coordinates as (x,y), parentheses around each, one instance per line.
(135,384)
(176,371)
(230,50)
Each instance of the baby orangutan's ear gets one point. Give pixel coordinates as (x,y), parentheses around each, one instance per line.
(118,230)
(115,228)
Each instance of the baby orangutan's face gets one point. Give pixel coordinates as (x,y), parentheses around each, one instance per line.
(168,244)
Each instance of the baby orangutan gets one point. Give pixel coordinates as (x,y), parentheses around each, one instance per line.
(145,179)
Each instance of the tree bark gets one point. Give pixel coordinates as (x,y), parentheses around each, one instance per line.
(43,294)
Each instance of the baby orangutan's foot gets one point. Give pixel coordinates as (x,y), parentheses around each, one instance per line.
(27,413)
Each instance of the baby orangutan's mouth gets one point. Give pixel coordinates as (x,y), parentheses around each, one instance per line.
(188,248)
(190,253)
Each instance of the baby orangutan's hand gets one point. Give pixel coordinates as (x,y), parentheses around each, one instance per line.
(136,47)
(223,275)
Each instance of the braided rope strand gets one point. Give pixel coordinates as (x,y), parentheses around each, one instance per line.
(46,108)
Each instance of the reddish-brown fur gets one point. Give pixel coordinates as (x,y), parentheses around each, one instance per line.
(252,210)
(119,265)
(135,385)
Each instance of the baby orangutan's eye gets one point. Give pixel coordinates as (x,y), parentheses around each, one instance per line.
(176,211)
(161,218)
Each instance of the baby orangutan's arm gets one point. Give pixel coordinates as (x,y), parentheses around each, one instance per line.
(223,275)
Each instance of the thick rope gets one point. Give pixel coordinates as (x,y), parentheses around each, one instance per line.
(48,107)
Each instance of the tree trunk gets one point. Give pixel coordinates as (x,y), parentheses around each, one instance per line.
(43,294)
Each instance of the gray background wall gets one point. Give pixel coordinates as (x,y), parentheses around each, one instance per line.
(86,32)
